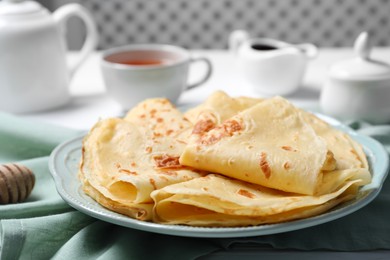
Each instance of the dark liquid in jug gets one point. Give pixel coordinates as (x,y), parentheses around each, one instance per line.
(263,47)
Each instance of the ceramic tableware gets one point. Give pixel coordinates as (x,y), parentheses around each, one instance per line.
(358,88)
(34,74)
(271,66)
(136,72)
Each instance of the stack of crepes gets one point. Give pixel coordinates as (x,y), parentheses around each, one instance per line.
(227,162)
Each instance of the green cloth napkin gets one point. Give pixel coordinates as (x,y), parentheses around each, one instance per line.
(45,227)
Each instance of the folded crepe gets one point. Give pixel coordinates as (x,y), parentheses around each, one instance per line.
(272,162)
(216,200)
(219,107)
(346,151)
(140,211)
(224,140)
(268,144)
(124,160)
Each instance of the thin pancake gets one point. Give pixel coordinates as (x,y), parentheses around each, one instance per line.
(219,107)
(304,165)
(140,211)
(268,144)
(217,200)
(347,152)
(125,162)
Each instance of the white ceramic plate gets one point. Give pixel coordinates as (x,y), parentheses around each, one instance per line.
(65,158)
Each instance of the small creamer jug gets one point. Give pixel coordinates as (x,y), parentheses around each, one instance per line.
(34,73)
(271,66)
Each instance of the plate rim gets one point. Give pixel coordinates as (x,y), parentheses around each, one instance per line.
(372,148)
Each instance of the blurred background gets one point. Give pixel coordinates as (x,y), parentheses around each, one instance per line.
(206,24)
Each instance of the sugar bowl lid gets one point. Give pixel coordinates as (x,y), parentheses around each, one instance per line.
(362,67)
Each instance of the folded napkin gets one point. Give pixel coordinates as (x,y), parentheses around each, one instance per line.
(45,227)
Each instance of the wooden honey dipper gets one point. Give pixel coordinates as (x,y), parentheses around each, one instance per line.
(16,183)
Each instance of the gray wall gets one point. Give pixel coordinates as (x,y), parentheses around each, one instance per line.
(207,23)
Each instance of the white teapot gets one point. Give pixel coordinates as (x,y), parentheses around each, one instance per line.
(358,88)
(271,66)
(34,74)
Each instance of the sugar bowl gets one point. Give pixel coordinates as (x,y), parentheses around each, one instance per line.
(359,88)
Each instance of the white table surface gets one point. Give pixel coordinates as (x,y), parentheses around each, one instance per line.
(90,102)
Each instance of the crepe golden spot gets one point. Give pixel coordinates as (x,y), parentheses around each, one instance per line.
(227,129)
(170,173)
(231,126)
(153,182)
(133,164)
(164,101)
(203,126)
(117,165)
(246,193)
(287,165)
(127,171)
(156,134)
(264,165)
(288,148)
(153,112)
(160,120)
(148,149)
(167,161)
(170,131)
(181,141)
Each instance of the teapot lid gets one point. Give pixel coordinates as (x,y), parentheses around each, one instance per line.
(18,7)
(361,67)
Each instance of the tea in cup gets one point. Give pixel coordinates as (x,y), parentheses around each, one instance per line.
(134,73)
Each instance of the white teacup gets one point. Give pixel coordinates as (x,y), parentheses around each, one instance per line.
(133,73)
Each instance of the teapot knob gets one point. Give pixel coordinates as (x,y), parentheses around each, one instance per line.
(362,46)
